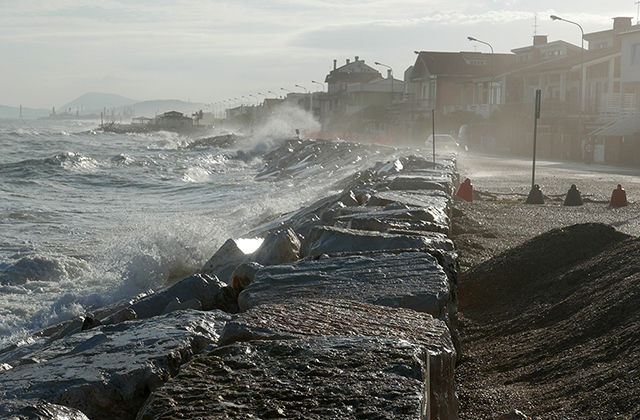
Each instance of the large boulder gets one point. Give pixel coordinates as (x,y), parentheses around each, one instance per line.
(110,370)
(313,378)
(278,248)
(208,290)
(224,261)
(435,200)
(335,240)
(46,411)
(349,318)
(412,280)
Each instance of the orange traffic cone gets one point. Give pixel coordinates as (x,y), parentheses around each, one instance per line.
(618,197)
(465,191)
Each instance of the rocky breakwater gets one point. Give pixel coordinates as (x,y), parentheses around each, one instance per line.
(346,310)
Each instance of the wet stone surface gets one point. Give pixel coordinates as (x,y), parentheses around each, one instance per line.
(412,280)
(316,378)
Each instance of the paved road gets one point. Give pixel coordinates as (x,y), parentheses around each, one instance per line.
(511,177)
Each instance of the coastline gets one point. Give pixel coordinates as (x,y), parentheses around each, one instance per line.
(392,219)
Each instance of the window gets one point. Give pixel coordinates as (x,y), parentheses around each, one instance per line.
(635,54)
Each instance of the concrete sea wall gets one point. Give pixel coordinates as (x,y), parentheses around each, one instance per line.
(347,310)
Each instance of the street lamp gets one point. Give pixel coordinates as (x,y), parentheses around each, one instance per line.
(432,78)
(470,38)
(554,17)
(273,93)
(257,100)
(286,90)
(318,83)
(390,75)
(302,87)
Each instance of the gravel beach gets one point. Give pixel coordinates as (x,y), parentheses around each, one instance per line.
(548,309)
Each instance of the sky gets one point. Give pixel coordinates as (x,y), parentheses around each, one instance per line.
(209,51)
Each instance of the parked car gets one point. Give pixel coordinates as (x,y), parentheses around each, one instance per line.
(444,143)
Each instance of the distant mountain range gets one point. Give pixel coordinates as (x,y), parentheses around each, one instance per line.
(95,103)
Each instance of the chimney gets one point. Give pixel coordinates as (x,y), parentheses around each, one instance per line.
(539,39)
(357,58)
(348,61)
(335,64)
(388,73)
(620,23)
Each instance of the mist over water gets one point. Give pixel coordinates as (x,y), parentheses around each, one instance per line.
(90,218)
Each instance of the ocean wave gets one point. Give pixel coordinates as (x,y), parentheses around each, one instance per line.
(42,268)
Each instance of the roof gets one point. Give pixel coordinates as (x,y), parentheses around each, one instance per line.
(172,114)
(354,71)
(546,45)
(563,63)
(459,64)
(628,126)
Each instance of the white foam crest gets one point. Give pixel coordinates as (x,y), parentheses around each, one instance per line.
(164,140)
(158,251)
(42,267)
(281,126)
(196,175)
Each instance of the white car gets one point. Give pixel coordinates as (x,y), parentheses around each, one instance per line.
(444,142)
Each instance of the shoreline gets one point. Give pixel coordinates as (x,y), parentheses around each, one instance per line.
(383,242)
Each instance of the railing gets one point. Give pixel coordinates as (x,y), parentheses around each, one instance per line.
(613,106)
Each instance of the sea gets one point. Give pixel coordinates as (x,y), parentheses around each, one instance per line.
(89,218)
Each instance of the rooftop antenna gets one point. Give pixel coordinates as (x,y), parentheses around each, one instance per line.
(638,12)
(535,24)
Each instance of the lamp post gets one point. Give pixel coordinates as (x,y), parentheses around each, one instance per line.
(306,93)
(257,100)
(554,17)
(470,38)
(273,93)
(390,75)
(432,78)
(318,83)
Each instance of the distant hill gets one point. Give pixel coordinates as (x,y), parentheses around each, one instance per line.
(95,102)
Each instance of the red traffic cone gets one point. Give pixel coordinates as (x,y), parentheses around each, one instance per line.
(618,197)
(465,191)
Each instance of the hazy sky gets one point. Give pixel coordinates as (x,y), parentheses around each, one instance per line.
(210,50)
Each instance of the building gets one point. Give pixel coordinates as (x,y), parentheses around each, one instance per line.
(173,119)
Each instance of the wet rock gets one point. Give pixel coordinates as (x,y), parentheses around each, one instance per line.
(418,183)
(90,322)
(335,240)
(379,223)
(327,377)
(125,314)
(349,318)
(224,261)
(211,292)
(108,371)
(46,411)
(435,200)
(278,248)
(176,305)
(243,276)
(412,280)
